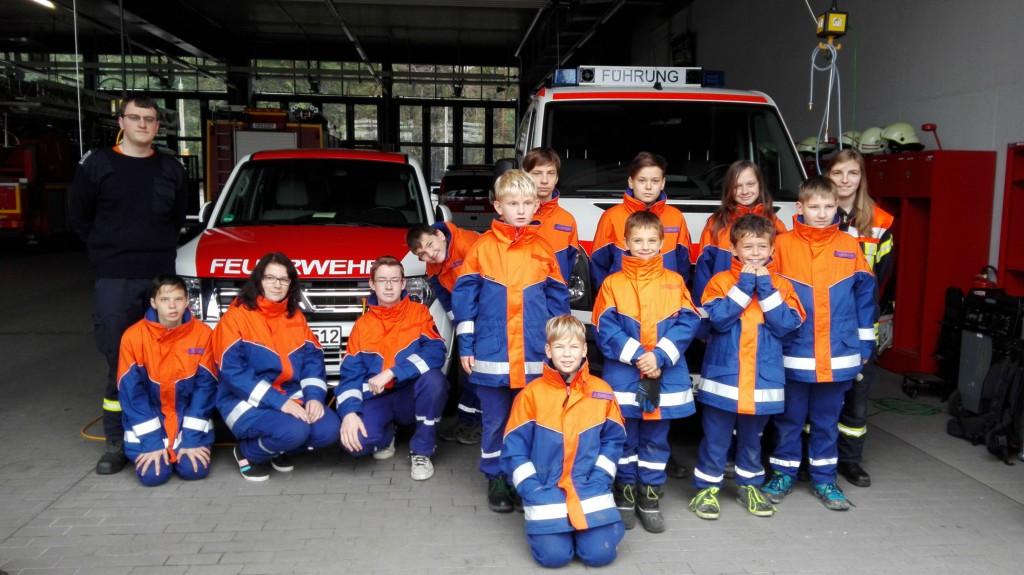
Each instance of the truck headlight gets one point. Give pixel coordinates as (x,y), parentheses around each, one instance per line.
(580,291)
(195,297)
(419,290)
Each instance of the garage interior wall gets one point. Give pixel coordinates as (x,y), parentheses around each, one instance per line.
(948,62)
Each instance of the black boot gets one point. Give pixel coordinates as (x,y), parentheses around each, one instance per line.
(625,501)
(647,508)
(855,474)
(112,461)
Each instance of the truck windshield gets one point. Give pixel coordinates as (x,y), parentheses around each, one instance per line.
(323,191)
(597,140)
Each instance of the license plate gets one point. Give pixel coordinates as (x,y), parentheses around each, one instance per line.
(474,208)
(329,336)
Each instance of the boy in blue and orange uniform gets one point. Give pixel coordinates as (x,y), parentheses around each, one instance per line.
(557,225)
(509,287)
(563,438)
(443,247)
(166,385)
(836,287)
(391,373)
(646,193)
(644,321)
(749,311)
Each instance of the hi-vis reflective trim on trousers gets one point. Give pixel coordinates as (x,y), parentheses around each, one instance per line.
(560,510)
(501,367)
(710,479)
(427,421)
(784,463)
(522,472)
(807,363)
(657,466)
(111,405)
(732,392)
(748,474)
(130,437)
(822,462)
(853,431)
(667,399)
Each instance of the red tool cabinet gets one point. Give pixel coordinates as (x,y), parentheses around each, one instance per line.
(942,202)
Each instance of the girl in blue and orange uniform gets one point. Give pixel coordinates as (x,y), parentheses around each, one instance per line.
(165,384)
(562,442)
(644,321)
(860,217)
(743,192)
(750,310)
(272,375)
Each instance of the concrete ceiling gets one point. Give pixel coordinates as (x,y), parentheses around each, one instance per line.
(536,35)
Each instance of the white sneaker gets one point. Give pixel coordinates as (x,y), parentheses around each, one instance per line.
(386,453)
(422,468)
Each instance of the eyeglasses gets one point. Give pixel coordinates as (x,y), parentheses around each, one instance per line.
(145,119)
(276,280)
(389,282)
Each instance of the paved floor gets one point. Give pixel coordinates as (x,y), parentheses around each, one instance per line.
(938,505)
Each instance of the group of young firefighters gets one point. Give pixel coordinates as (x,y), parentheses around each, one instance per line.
(788,320)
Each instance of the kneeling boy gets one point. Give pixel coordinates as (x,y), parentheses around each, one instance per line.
(166,386)
(749,309)
(564,435)
(392,373)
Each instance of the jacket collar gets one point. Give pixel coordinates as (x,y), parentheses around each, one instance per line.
(388,314)
(547,208)
(272,308)
(160,331)
(815,236)
(552,377)
(507,233)
(638,269)
(634,205)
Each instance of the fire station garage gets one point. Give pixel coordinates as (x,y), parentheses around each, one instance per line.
(327,130)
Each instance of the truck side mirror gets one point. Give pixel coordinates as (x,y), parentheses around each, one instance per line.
(503,165)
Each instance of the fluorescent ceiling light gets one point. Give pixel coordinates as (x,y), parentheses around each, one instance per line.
(46,3)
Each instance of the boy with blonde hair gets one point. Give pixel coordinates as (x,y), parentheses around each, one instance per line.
(644,321)
(836,287)
(509,286)
(563,438)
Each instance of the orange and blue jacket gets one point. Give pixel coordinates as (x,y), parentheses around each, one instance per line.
(166,383)
(508,288)
(402,338)
(876,243)
(642,308)
(837,289)
(749,315)
(562,442)
(609,238)
(265,358)
(558,227)
(715,253)
(442,276)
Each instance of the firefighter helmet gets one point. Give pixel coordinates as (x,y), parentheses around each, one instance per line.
(871,142)
(901,138)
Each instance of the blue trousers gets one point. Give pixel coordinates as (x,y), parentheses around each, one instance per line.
(817,404)
(719,426)
(274,432)
(645,453)
(183,468)
(469,404)
(421,403)
(496,403)
(595,546)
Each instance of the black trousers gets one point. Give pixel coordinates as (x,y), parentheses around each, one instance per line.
(119,302)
